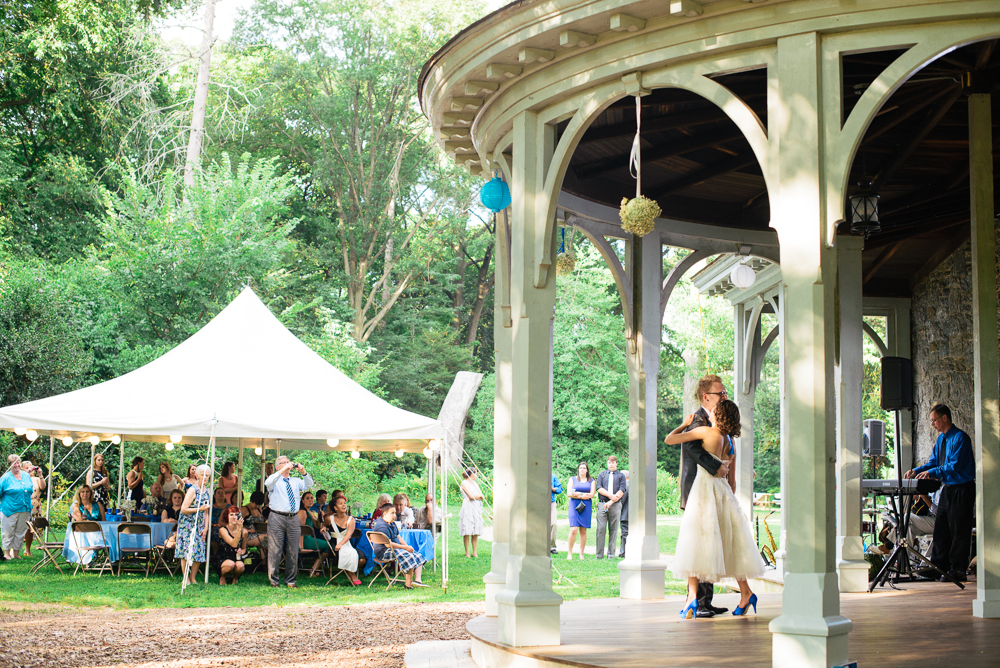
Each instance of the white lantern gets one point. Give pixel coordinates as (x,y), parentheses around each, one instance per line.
(434,444)
(31,434)
(20,430)
(116,439)
(168,446)
(175,439)
(400,453)
(257,451)
(742,276)
(67,441)
(355,454)
(428,453)
(333,442)
(94,439)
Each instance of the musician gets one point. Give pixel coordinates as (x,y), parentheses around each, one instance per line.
(953,463)
(922,517)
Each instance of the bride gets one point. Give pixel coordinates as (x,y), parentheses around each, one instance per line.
(714,540)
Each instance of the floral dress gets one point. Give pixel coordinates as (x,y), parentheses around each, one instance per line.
(190,548)
(100,491)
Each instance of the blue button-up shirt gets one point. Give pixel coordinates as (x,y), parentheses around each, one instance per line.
(953,462)
(556,485)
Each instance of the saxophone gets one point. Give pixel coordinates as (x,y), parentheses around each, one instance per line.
(767,552)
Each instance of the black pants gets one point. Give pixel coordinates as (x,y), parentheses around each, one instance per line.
(953,527)
(624,537)
(706,590)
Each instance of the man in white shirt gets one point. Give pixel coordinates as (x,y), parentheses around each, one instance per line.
(283,527)
(610,490)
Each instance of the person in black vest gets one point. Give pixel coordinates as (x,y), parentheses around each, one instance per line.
(624,522)
(710,392)
(611,490)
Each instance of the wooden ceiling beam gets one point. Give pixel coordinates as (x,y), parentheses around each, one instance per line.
(672,122)
(984,53)
(952,244)
(906,111)
(880,261)
(929,124)
(704,174)
(654,153)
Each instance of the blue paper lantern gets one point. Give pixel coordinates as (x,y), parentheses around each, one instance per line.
(495,195)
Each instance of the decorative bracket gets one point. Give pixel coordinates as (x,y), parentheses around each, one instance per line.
(633,85)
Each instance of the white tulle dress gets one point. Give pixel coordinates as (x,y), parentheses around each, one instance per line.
(714,540)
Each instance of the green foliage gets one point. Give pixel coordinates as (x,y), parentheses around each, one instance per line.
(420,369)
(668,493)
(337,346)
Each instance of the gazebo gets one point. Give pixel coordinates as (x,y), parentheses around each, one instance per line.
(767,130)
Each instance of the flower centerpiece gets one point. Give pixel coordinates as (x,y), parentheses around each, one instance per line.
(128,505)
(150,503)
(638,215)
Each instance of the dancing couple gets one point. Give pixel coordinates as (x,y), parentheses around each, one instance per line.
(715,541)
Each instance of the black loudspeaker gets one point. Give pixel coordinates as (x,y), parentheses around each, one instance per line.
(897,384)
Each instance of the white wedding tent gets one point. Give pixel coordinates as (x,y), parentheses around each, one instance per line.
(244,379)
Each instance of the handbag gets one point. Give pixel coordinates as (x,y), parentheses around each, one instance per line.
(581,506)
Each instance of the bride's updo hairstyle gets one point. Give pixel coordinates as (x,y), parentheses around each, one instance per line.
(727,417)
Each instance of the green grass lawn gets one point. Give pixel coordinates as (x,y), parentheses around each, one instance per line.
(574,580)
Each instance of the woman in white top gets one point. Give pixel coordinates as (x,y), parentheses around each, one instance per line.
(470,517)
(341,528)
(169,480)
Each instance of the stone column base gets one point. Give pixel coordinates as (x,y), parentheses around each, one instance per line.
(528,618)
(853,575)
(986,609)
(641,580)
(496,579)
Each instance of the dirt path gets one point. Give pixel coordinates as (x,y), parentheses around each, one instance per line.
(369,636)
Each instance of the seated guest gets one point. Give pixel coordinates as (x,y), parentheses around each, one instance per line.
(253,512)
(310,519)
(404,514)
(381,501)
(219,504)
(171,512)
(341,528)
(84,507)
(411,563)
(233,537)
(336,493)
(425,516)
(320,506)
(156,502)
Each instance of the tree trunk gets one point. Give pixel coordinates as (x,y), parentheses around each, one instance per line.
(484,283)
(200,98)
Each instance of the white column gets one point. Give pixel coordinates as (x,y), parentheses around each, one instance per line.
(641,573)
(810,631)
(747,336)
(984,335)
(528,609)
(779,556)
(851,564)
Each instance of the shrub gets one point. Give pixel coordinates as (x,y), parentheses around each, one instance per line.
(668,494)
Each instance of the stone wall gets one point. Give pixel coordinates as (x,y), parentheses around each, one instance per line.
(941,344)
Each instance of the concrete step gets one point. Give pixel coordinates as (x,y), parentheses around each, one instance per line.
(439,654)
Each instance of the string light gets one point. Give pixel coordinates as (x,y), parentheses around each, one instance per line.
(67,441)
(116,439)
(434,444)
(94,439)
(31,434)
(428,453)
(400,453)
(175,439)
(20,430)
(257,451)
(355,454)
(333,442)
(169,446)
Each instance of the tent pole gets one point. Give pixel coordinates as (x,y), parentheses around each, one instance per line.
(239,477)
(430,490)
(208,540)
(48,486)
(444,514)
(263,459)
(121,473)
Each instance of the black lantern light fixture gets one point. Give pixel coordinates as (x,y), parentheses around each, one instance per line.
(864,212)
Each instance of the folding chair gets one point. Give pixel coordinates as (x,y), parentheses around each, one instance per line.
(388,559)
(138,530)
(37,526)
(160,551)
(305,552)
(81,529)
(261,529)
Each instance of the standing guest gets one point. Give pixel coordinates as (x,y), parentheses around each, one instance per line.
(219,504)
(84,507)
(557,488)
(172,511)
(404,514)
(709,392)
(268,472)
(379,502)
(283,526)
(312,519)
(99,480)
(228,558)
(38,484)
(192,527)
(341,526)
(230,482)
(621,554)
(320,506)
(15,506)
(136,491)
(470,517)
(952,462)
(192,477)
(581,490)
(408,561)
(611,491)
(169,481)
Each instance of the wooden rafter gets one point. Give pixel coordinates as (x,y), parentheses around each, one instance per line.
(650,155)
(705,174)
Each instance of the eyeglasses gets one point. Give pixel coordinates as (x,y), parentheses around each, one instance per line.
(721,394)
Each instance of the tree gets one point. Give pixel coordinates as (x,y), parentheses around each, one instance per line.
(341,106)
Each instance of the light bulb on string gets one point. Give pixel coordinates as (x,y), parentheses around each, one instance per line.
(31,434)
(434,444)
(116,439)
(257,451)
(428,453)
(67,441)
(168,446)
(20,430)
(333,442)
(175,439)
(94,439)
(355,454)
(400,453)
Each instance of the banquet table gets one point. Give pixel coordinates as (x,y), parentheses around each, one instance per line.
(160,531)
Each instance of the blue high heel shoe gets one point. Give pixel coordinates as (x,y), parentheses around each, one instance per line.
(742,611)
(690,611)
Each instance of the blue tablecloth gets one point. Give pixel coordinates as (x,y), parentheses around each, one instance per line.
(421,540)
(160,532)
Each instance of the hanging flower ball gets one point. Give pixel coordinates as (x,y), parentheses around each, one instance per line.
(495,195)
(742,276)
(565,263)
(638,215)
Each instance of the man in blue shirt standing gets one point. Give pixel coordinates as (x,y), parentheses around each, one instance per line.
(557,488)
(953,462)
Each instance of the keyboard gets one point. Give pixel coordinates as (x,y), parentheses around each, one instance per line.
(911,486)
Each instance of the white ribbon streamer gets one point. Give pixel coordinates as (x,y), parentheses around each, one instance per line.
(634,158)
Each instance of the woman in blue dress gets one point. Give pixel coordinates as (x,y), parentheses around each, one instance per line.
(581,490)
(192,527)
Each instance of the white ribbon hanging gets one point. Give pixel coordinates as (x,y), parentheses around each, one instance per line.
(634,158)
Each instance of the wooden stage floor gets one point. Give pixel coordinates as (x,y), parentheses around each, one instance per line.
(927,624)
